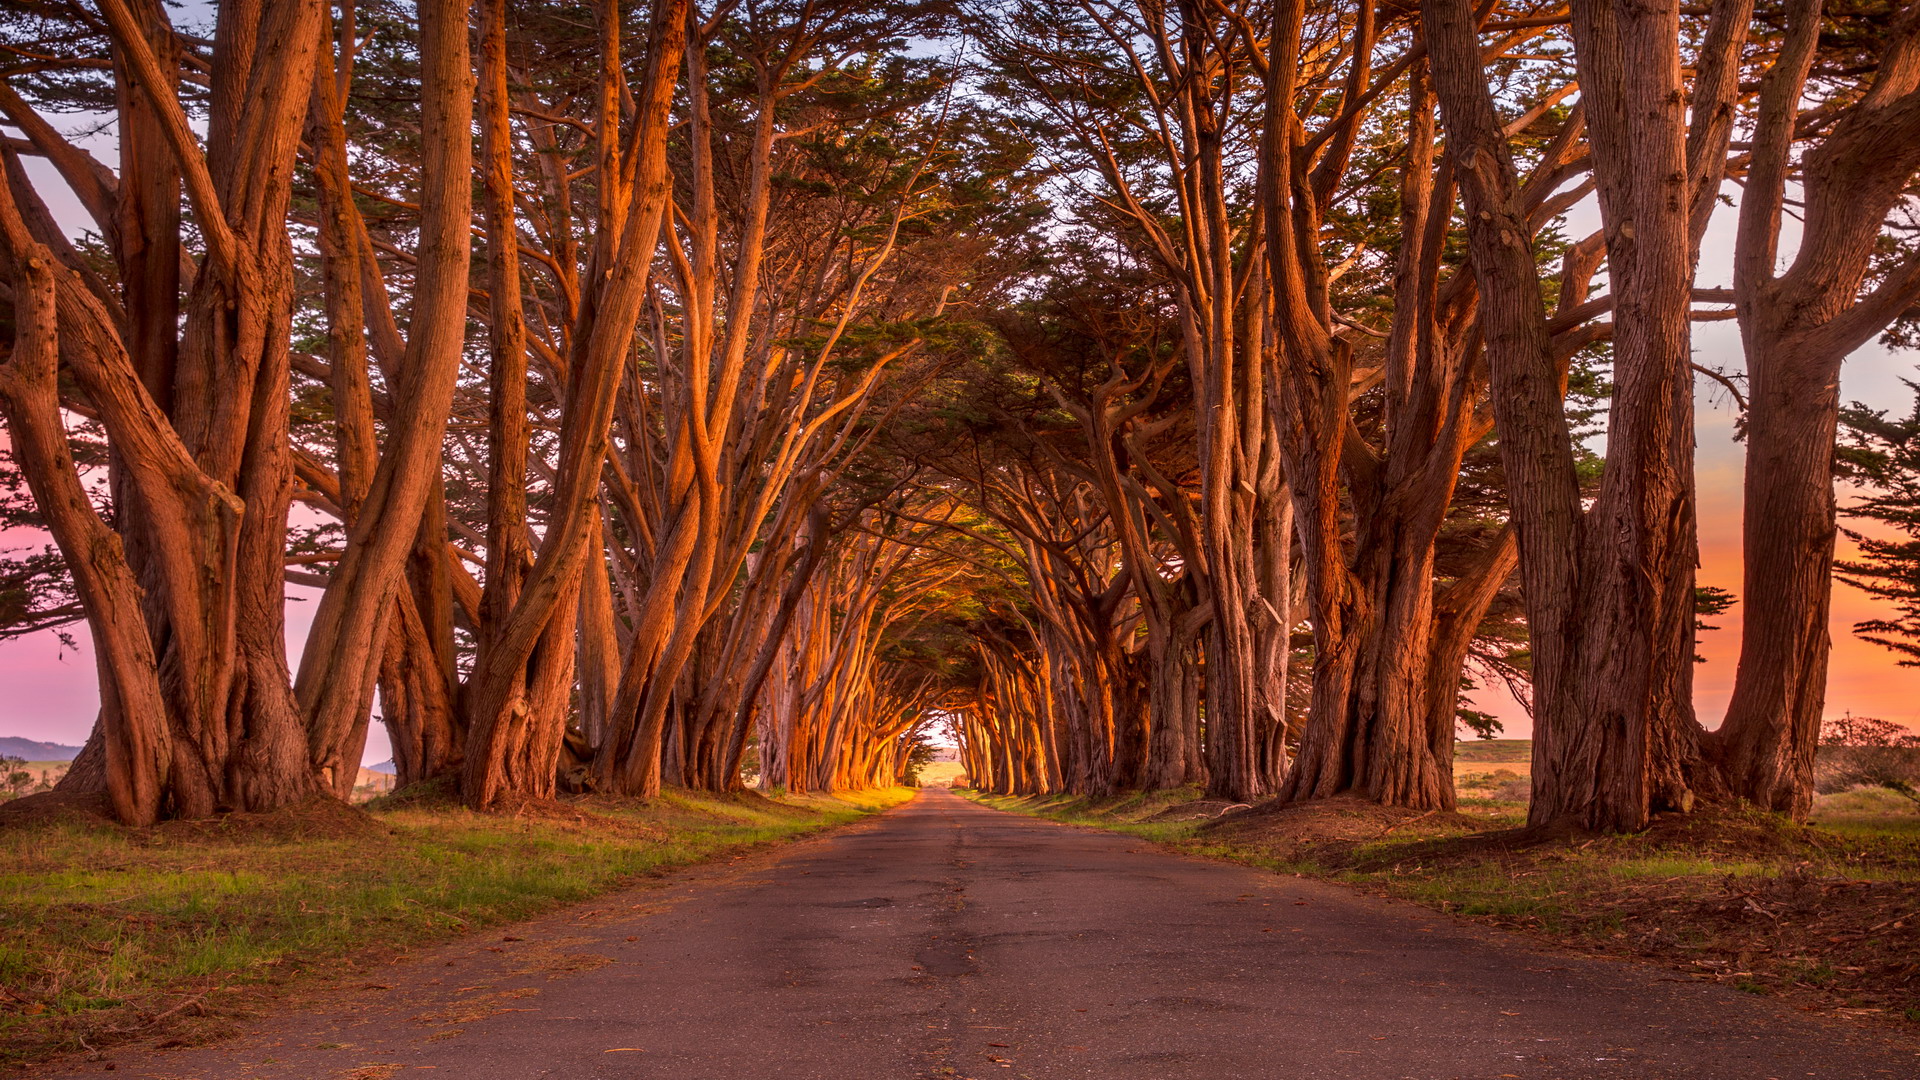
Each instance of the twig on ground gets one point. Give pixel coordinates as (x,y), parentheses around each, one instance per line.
(1890,922)
(1409,821)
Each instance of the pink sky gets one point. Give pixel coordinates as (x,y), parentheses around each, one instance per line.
(52,695)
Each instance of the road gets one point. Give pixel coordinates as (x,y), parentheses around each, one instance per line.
(944,939)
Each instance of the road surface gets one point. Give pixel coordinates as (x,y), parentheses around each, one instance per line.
(944,939)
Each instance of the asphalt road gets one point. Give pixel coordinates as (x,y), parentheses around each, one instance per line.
(947,940)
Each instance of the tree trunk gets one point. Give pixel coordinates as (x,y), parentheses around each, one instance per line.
(339,665)
(204,468)
(1797,327)
(503,686)
(1609,598)
(135,754)
(417,701)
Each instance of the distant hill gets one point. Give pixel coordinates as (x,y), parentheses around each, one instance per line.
(386,766)
(30,750)
(1493,750)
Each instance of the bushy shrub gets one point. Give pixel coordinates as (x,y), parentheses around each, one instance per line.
(1857,751)
(1501,785)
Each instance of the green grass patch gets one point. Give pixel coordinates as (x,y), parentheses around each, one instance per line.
(1868,812)
(102,928)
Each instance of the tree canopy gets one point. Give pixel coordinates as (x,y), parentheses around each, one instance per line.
(1141,394)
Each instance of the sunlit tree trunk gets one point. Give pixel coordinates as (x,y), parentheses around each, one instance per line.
(206,462)
(506,736)
(1797,326)
(1390,642)
(1609,592)
(345,644)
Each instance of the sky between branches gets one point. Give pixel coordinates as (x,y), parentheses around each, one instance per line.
(50,692)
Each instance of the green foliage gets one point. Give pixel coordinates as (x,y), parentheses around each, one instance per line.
(1484,725)
(1709,600)
(36,590)
(1867,751)
(918,757)
(1880,455)
(15,780)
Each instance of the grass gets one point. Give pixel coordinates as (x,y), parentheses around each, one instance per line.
(103,930)
(1868,812)
(1494,751)
(1828,915)
(1132,813)
(941,773)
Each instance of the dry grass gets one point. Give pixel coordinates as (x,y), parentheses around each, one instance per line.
(941,773)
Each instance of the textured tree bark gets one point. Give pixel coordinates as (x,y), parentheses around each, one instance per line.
(417,700)
(356,448)
(1536,448)
(541,620)
(1237,489)
(1310,391)
(339,665)
(1189,62)
(1766,745)
(508,550)
(799,577)
(1173,696)
(147,222)
(205,465)
(1609,596)
(1624,754)
(1797,326)
(599,647)
(135,754)
(1386,732)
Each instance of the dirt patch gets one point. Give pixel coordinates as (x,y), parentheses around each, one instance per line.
(1197,810)
(318,818)
(580,817)
(56,808)
(557,957)
(1797,932)
(1734,832)
(754,800)
(438,793)
(1828,942)
(1341,821)
(472,1007)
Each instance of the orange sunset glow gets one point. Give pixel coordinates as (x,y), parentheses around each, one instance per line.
(824,538)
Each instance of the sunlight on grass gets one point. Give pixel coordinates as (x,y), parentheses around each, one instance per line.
(1868,812)
(96,918)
